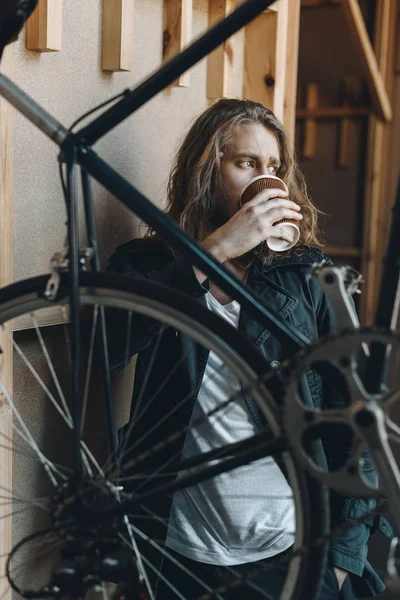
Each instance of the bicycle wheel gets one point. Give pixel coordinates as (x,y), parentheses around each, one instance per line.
(73,535)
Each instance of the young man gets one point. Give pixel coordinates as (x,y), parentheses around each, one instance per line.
(228,145)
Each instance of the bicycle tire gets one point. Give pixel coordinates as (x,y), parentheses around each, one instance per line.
(183,313)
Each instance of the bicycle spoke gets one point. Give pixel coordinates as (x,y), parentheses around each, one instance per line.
(135,416)
(52,370)
(141,569)
(19,511)
(39,380)
(38,502)
(133,423)
(171,412)
(45,461)
(176,562)
(162,445)
(89,366)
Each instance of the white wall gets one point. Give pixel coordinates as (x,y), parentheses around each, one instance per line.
(67,84)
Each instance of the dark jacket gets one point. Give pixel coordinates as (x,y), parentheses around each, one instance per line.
(284,285)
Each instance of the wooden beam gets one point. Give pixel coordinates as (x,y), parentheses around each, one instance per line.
(377,145)
(265,58)
(397,42)
(342,251)
(44,27)
(220,61)
(318,3)
(177,34)
(6,276)
(310,125)
(117,51)
(368,59)
(351,97)
(333,112)
(292,67)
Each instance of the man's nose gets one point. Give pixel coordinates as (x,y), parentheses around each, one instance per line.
(263,170)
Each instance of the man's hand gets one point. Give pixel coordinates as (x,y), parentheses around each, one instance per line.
(252,224)
(341,575)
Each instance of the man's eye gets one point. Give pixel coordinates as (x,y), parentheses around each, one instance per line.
(273,169)
(247,163)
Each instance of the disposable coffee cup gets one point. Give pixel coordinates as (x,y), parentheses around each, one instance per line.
(268,182)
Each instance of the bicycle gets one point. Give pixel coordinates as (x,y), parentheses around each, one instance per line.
(91,508)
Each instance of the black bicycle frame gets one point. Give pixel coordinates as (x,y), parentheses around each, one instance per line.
(77,145)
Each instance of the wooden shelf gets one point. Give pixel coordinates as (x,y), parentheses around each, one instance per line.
(318,3)
(332,112)
(342,251)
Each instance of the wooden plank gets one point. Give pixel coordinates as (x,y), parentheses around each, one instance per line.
(117,51)
(375,171)
(265,58)
(281,58)
(220,61)
(6,276)
(342,251)
(333,112)
(368,59)
(178,15)
(397,42)
(351,96)
(318,3)
(310,125)
(292,61)
(260,58)
(44,27)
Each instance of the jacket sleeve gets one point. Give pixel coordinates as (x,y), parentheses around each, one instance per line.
(349,549)
(128,334)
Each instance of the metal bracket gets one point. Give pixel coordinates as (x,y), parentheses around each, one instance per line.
(339,283)
(60,264)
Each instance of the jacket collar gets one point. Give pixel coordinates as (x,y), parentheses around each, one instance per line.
(302,256)
(275,297)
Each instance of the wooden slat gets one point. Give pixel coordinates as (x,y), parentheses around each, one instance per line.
(332,112)
(220,61)
(351,96)
(265,58)
(281,58)
(310,125)
(342,251)
(318,3)
(117,51)
(44,27)
(368,59)
(397,42)
(375,170)
(6,370)
(292,60)
(260,58)
(177,34)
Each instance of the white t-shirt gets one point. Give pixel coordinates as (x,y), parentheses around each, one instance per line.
(240,516)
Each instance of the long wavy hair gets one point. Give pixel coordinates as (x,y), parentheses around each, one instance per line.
(195,185)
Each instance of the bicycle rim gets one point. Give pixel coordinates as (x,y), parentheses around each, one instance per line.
(40,351)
